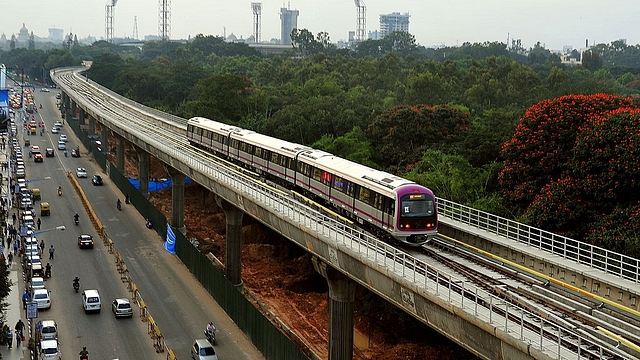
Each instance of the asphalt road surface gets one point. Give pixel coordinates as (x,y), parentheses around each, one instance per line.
(179,305)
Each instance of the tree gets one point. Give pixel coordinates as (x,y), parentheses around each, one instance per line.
(591,60)
(221,97)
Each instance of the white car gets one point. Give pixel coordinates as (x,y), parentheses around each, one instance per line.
(62,145)
(36,283)
(63,137)
(81,173)
(42,298)
(58,124)
(55,130)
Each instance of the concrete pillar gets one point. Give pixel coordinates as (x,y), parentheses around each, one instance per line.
(119,153)
(81,116)
(233,252)
(92,127)
(143,171)
(341,296)
(74,109)
(104,135)
(177,199)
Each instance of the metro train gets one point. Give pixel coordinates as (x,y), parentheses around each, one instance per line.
(387,205)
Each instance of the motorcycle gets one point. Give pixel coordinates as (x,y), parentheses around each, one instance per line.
(59,191)
(47,273)
(119,205)
(76,285)
(211,336)
(76,221)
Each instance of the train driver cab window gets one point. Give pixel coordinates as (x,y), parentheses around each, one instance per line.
(416,205)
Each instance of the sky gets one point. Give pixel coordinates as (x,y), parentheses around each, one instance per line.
(554,23)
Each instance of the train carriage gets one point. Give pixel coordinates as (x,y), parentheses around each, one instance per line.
(386,204)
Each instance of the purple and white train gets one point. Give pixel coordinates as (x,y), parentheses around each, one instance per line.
(387,205)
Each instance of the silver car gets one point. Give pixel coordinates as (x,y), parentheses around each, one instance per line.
(203,350)
(121,308)
(42,298)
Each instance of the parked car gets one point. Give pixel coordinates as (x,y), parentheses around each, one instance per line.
(81,172)
(49,350)
(42,298)
(36,283)
(58,124)
(121,308)
(55,130)
(96,180)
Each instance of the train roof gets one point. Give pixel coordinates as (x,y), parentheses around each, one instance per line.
(212,125)
(269,143)
(360,174)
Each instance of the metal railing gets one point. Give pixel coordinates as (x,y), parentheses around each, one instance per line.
(494,310)
(593,256)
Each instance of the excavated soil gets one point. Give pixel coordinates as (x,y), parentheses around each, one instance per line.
(281,280)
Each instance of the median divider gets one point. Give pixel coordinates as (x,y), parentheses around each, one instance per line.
(153,328)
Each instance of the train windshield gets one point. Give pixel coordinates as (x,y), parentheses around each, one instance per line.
(416,205)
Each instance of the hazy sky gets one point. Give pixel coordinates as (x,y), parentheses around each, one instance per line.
(553,23)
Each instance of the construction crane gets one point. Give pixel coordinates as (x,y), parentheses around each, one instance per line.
(361,29)
(109,20)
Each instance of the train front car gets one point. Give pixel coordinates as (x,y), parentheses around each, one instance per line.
(417,217)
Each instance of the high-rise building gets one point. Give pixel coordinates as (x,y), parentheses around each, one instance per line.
(393,22)
(56,34)
(289,21)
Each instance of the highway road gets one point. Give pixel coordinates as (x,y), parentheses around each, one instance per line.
(180,307)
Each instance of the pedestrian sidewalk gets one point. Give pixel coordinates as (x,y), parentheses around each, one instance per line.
(14,313)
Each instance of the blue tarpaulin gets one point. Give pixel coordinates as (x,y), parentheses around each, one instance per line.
(156,185)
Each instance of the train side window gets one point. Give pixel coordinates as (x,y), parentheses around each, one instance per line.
(317,174)
(388,205)
(338,183)
(364,194)
(326,178)
(266,154)
(350,188)
(258,152)
(303,168)
(234,143)
(274,158)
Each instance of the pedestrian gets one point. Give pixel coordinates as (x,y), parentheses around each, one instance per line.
(10,258)
(42,246)
(19,325)
(25,298)
(9,241)
(39,222)
(51,251)
(9,338)
(15,248)
(18,338)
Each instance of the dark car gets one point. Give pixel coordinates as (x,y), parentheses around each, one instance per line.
(48,152)
(96,180)
(75,153)
(85,240)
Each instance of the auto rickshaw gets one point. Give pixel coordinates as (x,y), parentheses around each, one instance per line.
(45,209)
(33,130)
(27,142)
(36,194)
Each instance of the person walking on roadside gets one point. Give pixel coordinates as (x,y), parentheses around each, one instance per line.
(25,298)
(19,325)
(42,246)
(51,251)
(39,222)
(9,338)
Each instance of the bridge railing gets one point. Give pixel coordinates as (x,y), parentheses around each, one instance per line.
(593,256)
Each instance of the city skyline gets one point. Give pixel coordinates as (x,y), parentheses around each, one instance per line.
(554,24)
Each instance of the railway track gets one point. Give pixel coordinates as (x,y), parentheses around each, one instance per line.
(581,315)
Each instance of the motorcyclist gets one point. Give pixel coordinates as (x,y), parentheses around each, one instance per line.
(84,354)
(119,204)
(76,217)
(76,283)
(60,190)
(47,270)
(210,327)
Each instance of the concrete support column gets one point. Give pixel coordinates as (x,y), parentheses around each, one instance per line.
(81,116)
(74,109)
(233,252)
(104,134)
(143,171)
(92,127)
(119,153)
(177,199)
(341,296)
